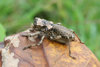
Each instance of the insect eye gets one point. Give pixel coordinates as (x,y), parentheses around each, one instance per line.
(35,21)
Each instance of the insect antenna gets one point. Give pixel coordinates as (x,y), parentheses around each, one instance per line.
(8,45)
(28,20)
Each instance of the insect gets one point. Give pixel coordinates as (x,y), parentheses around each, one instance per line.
(55,32)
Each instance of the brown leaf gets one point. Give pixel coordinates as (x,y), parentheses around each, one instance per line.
(1,47)
(48,54)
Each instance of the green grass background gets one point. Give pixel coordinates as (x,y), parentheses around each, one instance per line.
(83,16)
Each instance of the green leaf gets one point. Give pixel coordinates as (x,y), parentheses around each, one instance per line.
(2,33)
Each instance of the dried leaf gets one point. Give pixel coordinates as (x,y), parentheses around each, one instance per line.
(48,54)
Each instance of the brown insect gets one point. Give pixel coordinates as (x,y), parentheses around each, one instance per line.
(55,32)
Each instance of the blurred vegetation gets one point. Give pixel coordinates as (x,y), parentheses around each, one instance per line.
(83,16)
(2,32)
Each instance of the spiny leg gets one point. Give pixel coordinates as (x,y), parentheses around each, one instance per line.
(77,36)
(30,35)
(35,44)
(55,38)
(70,50)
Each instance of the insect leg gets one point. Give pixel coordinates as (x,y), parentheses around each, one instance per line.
(70,50)
(35,44)
(30,35)
(58,37)
(77,36)
(55,38)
